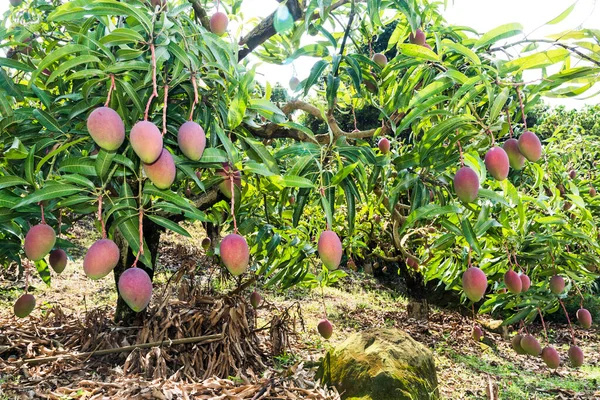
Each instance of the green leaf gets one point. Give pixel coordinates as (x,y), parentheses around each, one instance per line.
(55,55)
(167,223)
(315,73)
(552,220)
(70,64)
(213,156)
(131,94)
(417,51)
(463,50)
(252,167)
(42,268)
(297,181)
(167,195)
(9,63)
(130,230)
(47,120)
(562,15)
(267,109)
(327,210)
(516,317)
(350,204)
(498,105)
(310,50)
(65,146)
(29,175)
(78,180)
(467,231)
(103,162)
(499,33)
(11,180)
(78,165)
(343,173)
(49,192)
(237,110)
(77,9)
(121,36)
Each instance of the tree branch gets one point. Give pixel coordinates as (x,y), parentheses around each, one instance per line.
(265,29)
(200,14)
(203,202)
(552,42)
(273,130)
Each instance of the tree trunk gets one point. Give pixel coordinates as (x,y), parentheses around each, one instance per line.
(152,232)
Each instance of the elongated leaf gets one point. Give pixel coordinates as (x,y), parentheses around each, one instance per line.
(350,204)
(498,105)
(103,162)
(43,271)
(167,195)
(562,15)
(417,51)
(29,174)
(52,57)
(469,234)
(70,64)
(315,73)
(65,146)
(213,156)
(47,120)
(460,49)
(167,223)
(297,181)
(48,193)
(11,180)
(499,33)
(79,180)
(78,165)
(130,230)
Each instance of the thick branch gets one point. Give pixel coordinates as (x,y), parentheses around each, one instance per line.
(265,29)
(330,120)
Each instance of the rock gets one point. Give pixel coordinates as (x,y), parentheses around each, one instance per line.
(381,364)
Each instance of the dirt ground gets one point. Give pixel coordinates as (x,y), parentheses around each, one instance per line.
(75,315)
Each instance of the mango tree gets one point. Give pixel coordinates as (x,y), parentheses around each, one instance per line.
(149,114)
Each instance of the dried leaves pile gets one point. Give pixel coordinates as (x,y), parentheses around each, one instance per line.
(194,370)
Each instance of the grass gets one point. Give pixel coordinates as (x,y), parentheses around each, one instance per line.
(515,382)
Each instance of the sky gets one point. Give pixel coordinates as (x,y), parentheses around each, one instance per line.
(482,15)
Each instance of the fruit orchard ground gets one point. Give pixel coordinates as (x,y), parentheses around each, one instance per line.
(465,369)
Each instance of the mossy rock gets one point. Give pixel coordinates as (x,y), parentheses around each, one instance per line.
(381,364)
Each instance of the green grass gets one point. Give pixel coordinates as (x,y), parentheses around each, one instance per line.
(516,383)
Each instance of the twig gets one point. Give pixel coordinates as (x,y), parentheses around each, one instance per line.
(100,217)
(522,108)
(195,85)
(110,89)
(510,128)
(154,85)
(166,98)
(568,320)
